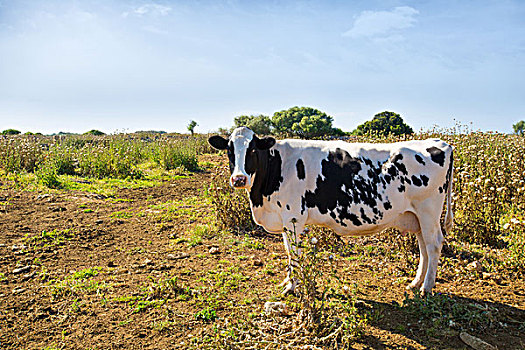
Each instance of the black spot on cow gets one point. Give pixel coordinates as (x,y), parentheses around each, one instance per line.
(269,177)
(449,173)
(396,160)
(392,171)
(279,204)
(419,159)
(437,155)
(401,167)
(388,178)
(416,181)
(407,180)
(401,188)
(364,217)
(340,170)
(300,169)
(387,205)
(287,207)
(425,179)
(368,162)
(354,219)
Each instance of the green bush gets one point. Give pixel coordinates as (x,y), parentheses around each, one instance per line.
(174,155)
(113,158)
(10,132)
(304,122)
(231,207)
(384,123)
(47,175)
(19,155)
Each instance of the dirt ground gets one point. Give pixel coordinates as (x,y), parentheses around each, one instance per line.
(96,282)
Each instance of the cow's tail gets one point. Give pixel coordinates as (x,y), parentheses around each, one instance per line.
(449,216)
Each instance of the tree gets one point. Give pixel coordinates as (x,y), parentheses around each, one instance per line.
(305,122)
(191,126)
(519,128)
(260,124)
(384,123)
(94,132)
(313,126)
(10,132)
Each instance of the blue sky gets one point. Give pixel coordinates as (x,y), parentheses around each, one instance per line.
(142,65)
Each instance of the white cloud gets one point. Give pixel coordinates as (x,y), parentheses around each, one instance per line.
(374,24)
(149,9)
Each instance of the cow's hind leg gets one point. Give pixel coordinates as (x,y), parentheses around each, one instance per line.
(429,216)
(423,263)
(409,223)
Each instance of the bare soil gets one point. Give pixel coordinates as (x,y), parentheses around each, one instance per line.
(132,247)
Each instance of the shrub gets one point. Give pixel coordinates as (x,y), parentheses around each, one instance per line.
(47,175)
(19,155)
(305,122)
(231,207)
(10,132)
(333,321)
(488,182)
(94,132)
(384,123)
(174,155)
(261,124)
(113,158)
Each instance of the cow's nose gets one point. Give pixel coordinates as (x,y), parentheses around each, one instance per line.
(239,181)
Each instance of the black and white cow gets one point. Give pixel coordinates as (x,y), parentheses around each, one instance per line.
(352,188)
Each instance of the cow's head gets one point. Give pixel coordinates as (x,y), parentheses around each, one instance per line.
(245,154)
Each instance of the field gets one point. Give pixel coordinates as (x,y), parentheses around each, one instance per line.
(136,242)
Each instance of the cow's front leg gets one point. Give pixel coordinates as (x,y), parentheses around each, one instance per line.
(291,243)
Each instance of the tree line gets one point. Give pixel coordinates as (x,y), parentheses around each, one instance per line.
(308,122)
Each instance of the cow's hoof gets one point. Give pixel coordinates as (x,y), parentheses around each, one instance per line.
(284,282)
(289,288)
(413,286)
(425,291)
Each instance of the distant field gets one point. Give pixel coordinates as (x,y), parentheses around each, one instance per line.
(136,241)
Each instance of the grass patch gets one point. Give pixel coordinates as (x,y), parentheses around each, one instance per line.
(50,238)
(443,311)
(78,283)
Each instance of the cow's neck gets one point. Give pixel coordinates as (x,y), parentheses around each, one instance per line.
(267,177)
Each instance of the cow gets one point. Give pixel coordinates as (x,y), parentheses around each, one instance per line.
(354,189)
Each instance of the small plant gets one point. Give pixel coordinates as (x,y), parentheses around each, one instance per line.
(79,282)
(121,214)
(206,315)
(334,322)
(231,207)
(50,238)
(166,289)
(47,175)
(191,126)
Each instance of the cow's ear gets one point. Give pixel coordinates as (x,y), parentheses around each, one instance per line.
(265,143)
(218,142)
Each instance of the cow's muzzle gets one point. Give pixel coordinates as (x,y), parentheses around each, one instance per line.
(239,181)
